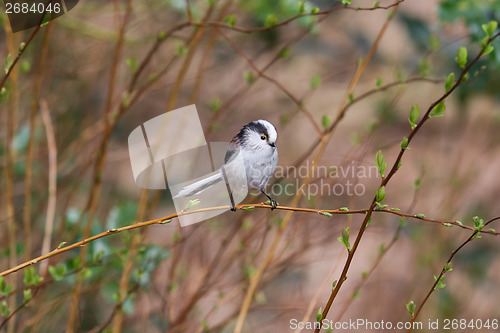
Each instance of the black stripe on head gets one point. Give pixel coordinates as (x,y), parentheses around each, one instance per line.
(254,126)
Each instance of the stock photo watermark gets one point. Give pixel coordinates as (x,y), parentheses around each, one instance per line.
(26,14)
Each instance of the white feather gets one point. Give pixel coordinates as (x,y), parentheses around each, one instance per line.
(199,186)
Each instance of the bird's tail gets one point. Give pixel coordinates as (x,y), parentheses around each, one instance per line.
(199,186)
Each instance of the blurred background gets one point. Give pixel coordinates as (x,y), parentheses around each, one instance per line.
(90,77)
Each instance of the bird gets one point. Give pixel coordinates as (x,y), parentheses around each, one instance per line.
(257,143)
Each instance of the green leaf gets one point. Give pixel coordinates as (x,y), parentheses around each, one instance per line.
(215,104)
(411,307)
(27,295)
(180,48)
(412,118)
(489,29)
(447,267)
(346,2)
(461,57)
(421,216)
(61,245)
(5,288)
(380,162)
(285,53)
(490,48)
(301,7)
(132,64)
(449,81)
(344,209)
(378,83)
(404,143)
(319,315)
(270,20)
(344,239)
(4,309)
(315,81)
(192,203)
(7,63)
(440,284)
(416,183)
(438,110)
(230,20)
(478,223)
(31,278)
(350,98)
(326,121)
(326,214)
(334,284)
(248,208)
(57,271)
(376,4)
(249,77)
(314,10)
(423,67)
(381,194)
(381,249)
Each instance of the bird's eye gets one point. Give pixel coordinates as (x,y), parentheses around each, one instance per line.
(263,137)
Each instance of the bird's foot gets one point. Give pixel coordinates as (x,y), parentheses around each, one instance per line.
(273,203)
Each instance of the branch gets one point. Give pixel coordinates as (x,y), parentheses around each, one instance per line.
(168,219)
(445,269)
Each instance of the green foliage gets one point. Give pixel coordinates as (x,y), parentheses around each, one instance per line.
(31,278)
(4,309)
(132,64)
(438,110)
(248,75)
(411,307)
(230,20)
(270,20)
(315,81)
(326,214)
(380,163)
(319,314)
(214,104)
(7,63)
(380,194)
(58,271)
(449,81)
(404,143)
(5,288)
(344,239)
(378,83)
(440,283)
(461,58)
(191,204)
(27,295)
(346,2)
(413,116)
(326,121)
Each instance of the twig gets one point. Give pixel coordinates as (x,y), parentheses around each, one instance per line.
(162,220)
(444,270)
(52,188)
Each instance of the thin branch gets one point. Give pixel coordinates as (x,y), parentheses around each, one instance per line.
(168,218)
(444,270)
(52,188)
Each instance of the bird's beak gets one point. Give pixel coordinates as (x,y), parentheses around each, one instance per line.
(272,144)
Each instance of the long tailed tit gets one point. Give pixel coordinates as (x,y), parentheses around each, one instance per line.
(256,142)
